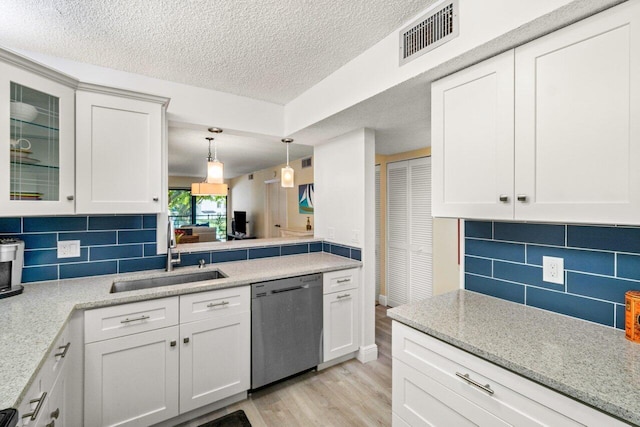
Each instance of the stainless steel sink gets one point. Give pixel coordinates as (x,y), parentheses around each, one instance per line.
(154,282)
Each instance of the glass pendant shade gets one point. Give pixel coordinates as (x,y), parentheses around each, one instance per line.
(286,173)
(286,177)
(215,172)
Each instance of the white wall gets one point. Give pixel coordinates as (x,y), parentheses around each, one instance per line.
(189,104)
(377,69)
(345,202)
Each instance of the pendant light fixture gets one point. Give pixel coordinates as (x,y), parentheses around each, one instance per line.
(213,185)
(286,173)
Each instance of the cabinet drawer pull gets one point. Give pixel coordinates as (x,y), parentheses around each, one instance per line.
(522,197)
(173,343)
(64,349)
(485,387)
(55,414)
(186,340)
(127,320)
(218,304)
(344,281)
(70,198)
(343,296)
(155,199)
(33,415)
(504,198)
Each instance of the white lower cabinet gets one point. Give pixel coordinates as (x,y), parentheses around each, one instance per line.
(152,368)
(132,380)
(341,314)
(46,403)
(436,384)
(215,353)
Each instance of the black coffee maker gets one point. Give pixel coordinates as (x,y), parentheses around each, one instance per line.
(11,263)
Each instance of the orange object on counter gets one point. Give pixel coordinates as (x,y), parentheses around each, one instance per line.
(632,315)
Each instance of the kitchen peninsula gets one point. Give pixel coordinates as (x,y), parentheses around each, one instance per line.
(589,363)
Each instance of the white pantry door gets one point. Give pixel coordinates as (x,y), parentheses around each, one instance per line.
(409,231)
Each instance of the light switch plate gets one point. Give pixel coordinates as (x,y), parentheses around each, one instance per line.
(553,270)
(69,249)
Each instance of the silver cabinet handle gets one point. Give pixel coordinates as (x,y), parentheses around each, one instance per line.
(344,281)
(186,340)
(155,199)
(485,387)
(343,296)
(522,197)
(127,320)
(504,198)
(64,349)
(55,414)
(70,198)
(218,304)
(33,415)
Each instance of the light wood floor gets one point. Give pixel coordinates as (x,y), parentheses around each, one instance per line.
(348,394)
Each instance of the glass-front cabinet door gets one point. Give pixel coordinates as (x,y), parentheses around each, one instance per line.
(37,145)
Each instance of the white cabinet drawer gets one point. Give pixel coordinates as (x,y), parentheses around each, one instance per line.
(341,280)
(207,305)
(126,319)
(515,400)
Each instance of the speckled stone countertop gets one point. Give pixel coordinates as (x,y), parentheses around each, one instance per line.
(31,322)
(591,363)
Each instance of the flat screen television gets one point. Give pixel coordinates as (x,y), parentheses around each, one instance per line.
(240,219)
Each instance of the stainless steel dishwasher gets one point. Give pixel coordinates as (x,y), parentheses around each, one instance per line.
(286,328)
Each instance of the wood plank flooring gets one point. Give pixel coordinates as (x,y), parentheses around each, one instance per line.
(348,394)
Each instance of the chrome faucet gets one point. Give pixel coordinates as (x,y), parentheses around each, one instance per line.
(171,244)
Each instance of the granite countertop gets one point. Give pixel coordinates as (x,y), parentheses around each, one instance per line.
(31,322)
(586,361)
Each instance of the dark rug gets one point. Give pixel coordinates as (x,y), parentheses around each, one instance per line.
(234,419)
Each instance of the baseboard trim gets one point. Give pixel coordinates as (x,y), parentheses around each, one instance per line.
(337,361)
(368,354)
(382,300)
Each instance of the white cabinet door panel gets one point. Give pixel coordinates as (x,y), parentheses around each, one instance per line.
(132,380)
(341,323)
(577,133)
(215,359)
(472,141)
(119,154)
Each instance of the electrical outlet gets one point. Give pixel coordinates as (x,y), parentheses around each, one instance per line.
(553,270)
(69,249)
(355,236)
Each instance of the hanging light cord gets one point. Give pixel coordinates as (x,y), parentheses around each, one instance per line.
(287,154)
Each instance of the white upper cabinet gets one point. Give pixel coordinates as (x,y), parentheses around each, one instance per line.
(37,149)
(119,150)
(564,146)
(577,132)
(472,141)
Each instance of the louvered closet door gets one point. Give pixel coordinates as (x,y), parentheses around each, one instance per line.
(377,219)
(420,230)
(397,234)
(409,228)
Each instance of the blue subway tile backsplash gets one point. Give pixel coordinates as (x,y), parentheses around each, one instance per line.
(504,259)
(111,244)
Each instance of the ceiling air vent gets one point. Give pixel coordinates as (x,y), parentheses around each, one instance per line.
(437,26)
(306,163)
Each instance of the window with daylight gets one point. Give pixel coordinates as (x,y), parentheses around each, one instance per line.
(185,209)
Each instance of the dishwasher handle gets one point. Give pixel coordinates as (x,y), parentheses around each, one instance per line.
(293,288)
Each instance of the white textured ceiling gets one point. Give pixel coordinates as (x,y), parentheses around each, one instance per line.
(271,50)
